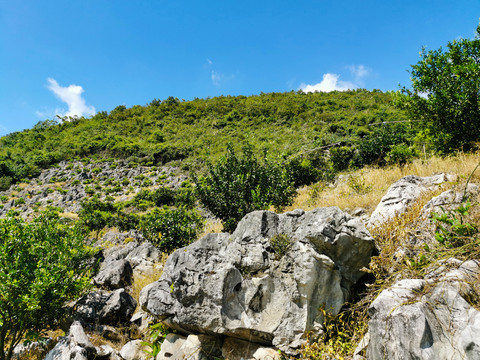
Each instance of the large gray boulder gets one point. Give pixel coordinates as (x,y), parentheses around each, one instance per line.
(246,285)
(428,318)
(403,194)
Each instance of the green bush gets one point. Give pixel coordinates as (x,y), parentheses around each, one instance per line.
(400,154)
(169,229)
(444,97)
(341,157)
(5,182)
(96,214)
(374,148)
(236,186)
(303,172)
(42,267)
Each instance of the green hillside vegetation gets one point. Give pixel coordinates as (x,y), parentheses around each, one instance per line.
(284,124)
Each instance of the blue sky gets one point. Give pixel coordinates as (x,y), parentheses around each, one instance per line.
(79,57)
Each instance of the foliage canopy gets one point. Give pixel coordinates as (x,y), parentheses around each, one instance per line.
(445,94)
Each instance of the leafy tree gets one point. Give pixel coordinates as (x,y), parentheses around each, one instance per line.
(42,267)
(236,186)
(445,93)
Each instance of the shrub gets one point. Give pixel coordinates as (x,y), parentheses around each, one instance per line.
(400,154)
(96,214)
(444,94)
(303,172)
(5,182)
(42,267)
(341,157)
(169,229)
(374,148)
(236,186)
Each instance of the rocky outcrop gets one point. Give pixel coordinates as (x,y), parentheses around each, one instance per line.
(429,318)
(268,281)
(402,194)
(67,184)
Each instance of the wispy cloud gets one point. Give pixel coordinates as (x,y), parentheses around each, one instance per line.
(359,72)
(219,78)
(72,96)
(3,130)
(332,82)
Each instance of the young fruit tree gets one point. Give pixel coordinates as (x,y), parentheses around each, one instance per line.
(42,267)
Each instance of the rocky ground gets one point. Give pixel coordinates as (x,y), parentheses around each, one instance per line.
(268,286)
(67,184)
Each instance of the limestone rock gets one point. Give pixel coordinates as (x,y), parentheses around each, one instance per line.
(402,194)
(171,347)
(235,349)
(105,308)
(267,281)
(449,200)
(193,347)
(440,324)
(134,350)
(75,346)
(114,275)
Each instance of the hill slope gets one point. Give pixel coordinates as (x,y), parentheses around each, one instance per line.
(192,131)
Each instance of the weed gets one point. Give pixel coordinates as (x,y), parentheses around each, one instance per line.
(157,335)
(281,243)
(358,185)
(452,229)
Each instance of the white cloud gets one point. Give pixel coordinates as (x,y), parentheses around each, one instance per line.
(210,62)
(72,96)
(330,82)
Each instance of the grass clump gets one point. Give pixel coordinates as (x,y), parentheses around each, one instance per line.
(281,243)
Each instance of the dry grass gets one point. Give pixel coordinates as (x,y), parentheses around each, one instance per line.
(375,182)
(69,215)
(144,279)
(212,226)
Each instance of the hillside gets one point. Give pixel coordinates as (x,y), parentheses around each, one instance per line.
(190,132)
(69,185)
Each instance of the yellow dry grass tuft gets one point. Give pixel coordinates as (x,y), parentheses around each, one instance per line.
(69,215)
